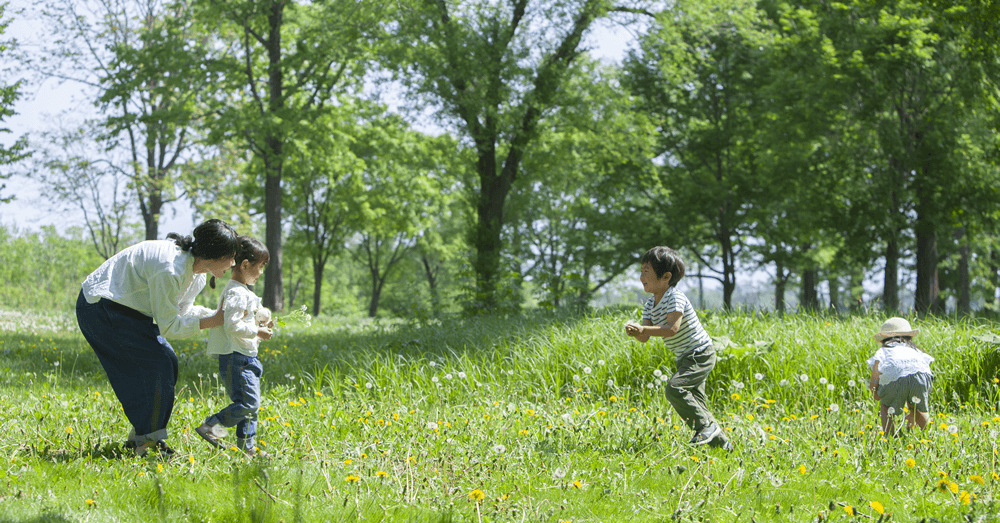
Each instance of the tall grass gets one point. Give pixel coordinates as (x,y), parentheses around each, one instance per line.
(550,416)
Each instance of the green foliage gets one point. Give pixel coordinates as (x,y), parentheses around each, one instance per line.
(548,416)
(43,270)
(9,93)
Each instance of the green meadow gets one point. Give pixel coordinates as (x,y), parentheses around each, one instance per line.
(532,417)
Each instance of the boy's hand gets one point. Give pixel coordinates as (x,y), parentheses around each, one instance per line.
(264,333)
(634,330)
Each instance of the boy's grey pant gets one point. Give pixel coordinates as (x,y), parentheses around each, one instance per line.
(686,388)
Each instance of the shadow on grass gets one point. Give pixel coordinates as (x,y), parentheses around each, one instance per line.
(47,517)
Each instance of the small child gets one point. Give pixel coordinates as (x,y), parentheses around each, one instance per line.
(901,375)
(236,343)
(670,315)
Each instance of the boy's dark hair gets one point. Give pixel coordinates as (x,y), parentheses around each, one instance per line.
(253,251)
(212,240)
(664,260)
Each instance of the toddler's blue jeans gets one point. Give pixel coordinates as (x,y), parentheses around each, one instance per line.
(241,375)
(140,364)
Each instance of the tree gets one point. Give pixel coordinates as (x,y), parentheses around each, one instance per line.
(9,93)
(494,70)
(287,62)
(145,64)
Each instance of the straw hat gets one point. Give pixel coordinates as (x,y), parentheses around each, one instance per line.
(895,327)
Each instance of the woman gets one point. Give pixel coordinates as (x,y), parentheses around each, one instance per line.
(136,298)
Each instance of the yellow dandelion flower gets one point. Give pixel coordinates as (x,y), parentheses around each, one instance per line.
(749,417)
(942,474)
(90,502)
(942,485)
(347,462)
(849,509)
(976,478)
(965,498)
(877,507)
(802,469)
(159,467)
(234,448)
(910,463)
(943,426)
(69,430)
(351,479)
(814,416)
(191,459)
(578,484)
(382,474)
(476,495)
(411,459)
(735,396)
(613,399)
(529,412)
(995,476)
(953,487)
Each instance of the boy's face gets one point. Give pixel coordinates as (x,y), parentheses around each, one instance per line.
(652,284)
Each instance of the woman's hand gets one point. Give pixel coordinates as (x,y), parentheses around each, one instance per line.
(264,333)
(215,320)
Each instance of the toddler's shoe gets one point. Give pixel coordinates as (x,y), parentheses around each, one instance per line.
(706,434)
(254,452)
(213,434)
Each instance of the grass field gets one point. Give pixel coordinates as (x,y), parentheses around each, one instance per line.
(537,417)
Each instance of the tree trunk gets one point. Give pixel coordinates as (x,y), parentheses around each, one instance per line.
(376,294)
(964,304)
(318,267)
(890,287)
(834,284)
(857,291)
(927,275)
(431,274)
(273,291)
(810,300)
(779,287)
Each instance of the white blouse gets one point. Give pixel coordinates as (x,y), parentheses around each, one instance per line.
(239,330)
(897,360)
(156,278)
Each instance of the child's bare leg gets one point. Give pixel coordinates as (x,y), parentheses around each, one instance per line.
(922,419)
(886,419)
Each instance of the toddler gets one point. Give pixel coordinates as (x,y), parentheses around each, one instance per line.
(901,375)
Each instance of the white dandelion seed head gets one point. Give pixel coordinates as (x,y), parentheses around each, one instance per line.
(461,375)
(434,379)
(567,417)
(804,378)
(55,364)
(657,373)
(740,385)
(830,387)
(559,473)
(953,429)
(783,383)
(499,449)
(822,381)
(915,400)
(664,378)
(215,375)
(510,373)
(323,346)
(851,383)
(587,370)
(511,407)
(450,441)
(576,377)
(447,376)
(891,411)
(600,362)
(432,363)
(432,425)
(611,383)
(758,376)
(368,385)
(649,385)
(834,407)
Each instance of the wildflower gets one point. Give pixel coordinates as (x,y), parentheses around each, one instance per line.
(758,376)
(447,376)
(69,430)
(657,373)
(735,396)
(90,502)
(347,462)
(877,507)
(976,478)
(477,496)
(461,375)
(529,412)
(499,449)
(830,387)
(749,417)
(432,363)
(191,459)
(434,379)
(432,426)
(953,429)
(611,383)
(381,474)
(804,378)
(783,383)
(965,498)
(351,479)
(834,407)
(613,399)
(578,485)
(587,370)
(891,411)
(159,467)
(849,509)
(802,469)
(822,381)
(943,426)
(851,383)
(910,463)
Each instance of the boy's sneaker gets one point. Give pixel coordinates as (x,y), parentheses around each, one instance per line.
(706,434)
(213,434)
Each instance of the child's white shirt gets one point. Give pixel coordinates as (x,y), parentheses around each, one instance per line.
(898,359)
(238,332)
(691,335)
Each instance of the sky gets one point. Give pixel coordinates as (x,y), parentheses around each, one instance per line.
(41,104)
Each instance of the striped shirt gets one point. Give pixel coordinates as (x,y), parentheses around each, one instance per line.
(691,335)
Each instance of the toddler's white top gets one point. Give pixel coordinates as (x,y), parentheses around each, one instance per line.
(156,278)
(897,359)
(238,332)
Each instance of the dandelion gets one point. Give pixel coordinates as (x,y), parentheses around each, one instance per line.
(822,381)
(783,383)
(735,396)
(891,411)
(851,383)
(434,379)
(368,385)
(953,487)
(351,479)
(657,373)
(613,399)
(559,473)
(381,474)
(461,375)
(347,462)
(965,498)
(499,449)
(849,509)
(432,363)
(910,463)
(611,383)
(877,507)
(476,496)
(834,407)
(976,478)
(90,502)
(649,385)
(159,467)
(432,425)
(69,430)
(191,459)
(578,485)
(586,370)
(758,376)
(664,378)
(804,378)
(447,376)
(915,400)
(830,387)
(953,429)
(802,470)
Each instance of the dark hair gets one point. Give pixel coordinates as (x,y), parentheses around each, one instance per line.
(904,340)
(664,260)
(213,240)
(253,251)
